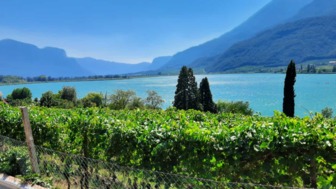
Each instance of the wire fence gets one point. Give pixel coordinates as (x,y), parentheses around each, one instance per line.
(73,171)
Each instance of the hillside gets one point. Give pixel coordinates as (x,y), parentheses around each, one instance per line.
(27,60)
(103,67)
(276,12)
(22,59)
(303,40)
(317,8)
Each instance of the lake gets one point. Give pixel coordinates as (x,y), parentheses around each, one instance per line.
(264,92)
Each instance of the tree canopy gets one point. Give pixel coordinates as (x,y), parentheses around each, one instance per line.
(186,94)
(206,97)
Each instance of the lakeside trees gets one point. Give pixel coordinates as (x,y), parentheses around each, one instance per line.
(67,98)
(19,96)
(206,97)
(186,94)
(289,94)
(189,96)
(153,100)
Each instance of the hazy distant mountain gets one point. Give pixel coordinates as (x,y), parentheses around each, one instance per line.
(274,13)
(27,60)
(159,62)
(304,40)
(22,59)
(316,9)
(103,67)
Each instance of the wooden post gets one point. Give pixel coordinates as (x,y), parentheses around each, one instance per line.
(29,140)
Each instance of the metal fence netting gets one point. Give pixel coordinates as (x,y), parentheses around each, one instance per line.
(73,171)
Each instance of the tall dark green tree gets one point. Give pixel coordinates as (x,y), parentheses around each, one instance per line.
(186,94)
(206,97)
(289,94)
(193,91)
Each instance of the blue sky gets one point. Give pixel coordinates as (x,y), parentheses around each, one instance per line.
(128,31)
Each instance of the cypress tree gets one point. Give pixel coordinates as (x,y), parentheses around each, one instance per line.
(289,95)
(186,94)
(193,95)
(206,97)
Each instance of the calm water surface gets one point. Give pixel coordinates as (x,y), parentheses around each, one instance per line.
(264,92)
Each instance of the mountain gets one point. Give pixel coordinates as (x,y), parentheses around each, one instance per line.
(159,62)
(27,60)
(103,67)
(22,59)
(317,8)
(274,13)
(304,40)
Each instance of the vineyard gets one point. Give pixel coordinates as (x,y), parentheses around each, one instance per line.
(278,150)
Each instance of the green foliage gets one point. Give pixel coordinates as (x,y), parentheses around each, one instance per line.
(35,179)
(11,79)
(327,112)
(19,96)
(206,97)
(289,94)
(92,100)
(21,93)
(69,94)
(121,99)
(186,94)
(153,100)
(14,161)
(136,103)
(238,107)
(278,150)
(48,99)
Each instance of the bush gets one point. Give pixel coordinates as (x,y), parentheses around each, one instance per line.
(121,99)
(21,93)
(153,100)
(69,94)
(19,97)
(238,107)
(136,103)
(92,100)
(48,99)
(14,162)
(327,112)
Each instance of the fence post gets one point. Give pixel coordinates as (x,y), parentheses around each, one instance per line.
(29,140)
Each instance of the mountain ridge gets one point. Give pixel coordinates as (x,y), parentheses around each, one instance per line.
(24,59)
(303,40)
(244,31)
(27,60)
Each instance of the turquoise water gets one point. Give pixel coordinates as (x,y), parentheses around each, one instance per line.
(264,92)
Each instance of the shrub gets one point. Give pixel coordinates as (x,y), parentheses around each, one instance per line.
(327,112)
(238,107)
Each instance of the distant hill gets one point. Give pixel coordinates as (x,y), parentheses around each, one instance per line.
(303,40)
(274,13)
(27,60)
(103,67)
(22,59)
(317,8)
